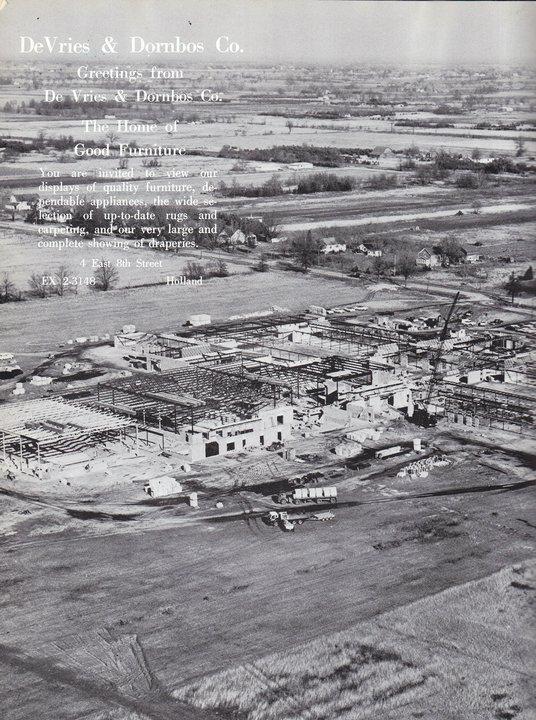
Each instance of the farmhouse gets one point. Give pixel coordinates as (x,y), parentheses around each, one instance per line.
(19,203)
(471,257)
(369,250)
(237,238)
(381,151)
(427,258)
(330,245)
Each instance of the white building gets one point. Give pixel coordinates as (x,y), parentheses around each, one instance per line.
(330,245)
(229,435)
(427,258)
(370,250)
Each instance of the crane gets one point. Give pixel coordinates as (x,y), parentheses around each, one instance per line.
(421,416)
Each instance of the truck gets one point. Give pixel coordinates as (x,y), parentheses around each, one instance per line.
(314,495)
(287,521)
(282,519)
(307,479)
(389,451)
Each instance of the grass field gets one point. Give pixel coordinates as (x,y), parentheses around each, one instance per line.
(35,324)
(466,652)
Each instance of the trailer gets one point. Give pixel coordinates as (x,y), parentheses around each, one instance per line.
(389,452)
(313,495)
(287,521)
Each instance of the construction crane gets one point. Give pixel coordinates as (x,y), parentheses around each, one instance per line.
(421,416)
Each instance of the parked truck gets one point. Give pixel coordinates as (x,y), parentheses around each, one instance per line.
(389,452)
(308,479)
(314,495)
(287,521)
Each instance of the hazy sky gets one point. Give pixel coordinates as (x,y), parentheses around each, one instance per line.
(292,30)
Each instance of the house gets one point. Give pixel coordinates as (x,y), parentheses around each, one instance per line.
(427,258)
(223,238)
(369,250)
(21,203)
(251,239)
(330,245)
(472,257)
(381,151)
(237,238)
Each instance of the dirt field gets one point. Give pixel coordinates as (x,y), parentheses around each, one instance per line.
(148,610)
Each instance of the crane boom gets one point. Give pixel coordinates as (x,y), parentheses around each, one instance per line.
(439,353)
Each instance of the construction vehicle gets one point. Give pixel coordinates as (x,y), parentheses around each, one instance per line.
(421,414)
(281,519)
(314,495)
(287,521)
(307,479)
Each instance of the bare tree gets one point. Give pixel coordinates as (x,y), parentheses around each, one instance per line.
(477,206)
(112,137)
(520,146)
(305,250)
(106,275)
(38,284)
(8,291)
(194,270)
(379,266)
(271,224)
(407,267)
(60,278)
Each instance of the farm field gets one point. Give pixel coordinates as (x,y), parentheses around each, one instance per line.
(212,136)
(21,258)
(406,663)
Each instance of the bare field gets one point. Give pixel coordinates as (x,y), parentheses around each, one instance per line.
(466,652)
(146,609)
(343,133)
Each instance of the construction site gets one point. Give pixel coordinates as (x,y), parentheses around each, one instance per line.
(215,465)
(260,384)
(267,360)
(266,511)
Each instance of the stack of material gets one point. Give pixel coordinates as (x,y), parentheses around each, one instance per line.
(162,486)
(421,468)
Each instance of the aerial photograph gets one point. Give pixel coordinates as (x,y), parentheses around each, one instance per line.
(267,360)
